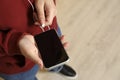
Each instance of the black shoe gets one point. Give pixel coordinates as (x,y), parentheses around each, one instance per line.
(68,72)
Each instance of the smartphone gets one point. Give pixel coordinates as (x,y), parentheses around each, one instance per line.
(51,49)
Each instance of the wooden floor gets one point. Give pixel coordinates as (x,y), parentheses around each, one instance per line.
(92,28)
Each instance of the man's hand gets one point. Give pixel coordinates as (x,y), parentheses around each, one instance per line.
(29,50)
(46,11)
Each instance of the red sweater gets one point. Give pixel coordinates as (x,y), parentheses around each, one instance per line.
(16,18)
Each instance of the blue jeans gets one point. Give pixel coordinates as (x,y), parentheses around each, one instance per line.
(31,74)
(28,75)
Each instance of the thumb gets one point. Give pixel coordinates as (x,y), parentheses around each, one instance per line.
(39,61)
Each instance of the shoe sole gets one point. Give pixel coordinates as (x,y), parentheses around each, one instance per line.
(68,77)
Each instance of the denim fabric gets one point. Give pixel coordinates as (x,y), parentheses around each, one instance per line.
(59,32)
(30,75)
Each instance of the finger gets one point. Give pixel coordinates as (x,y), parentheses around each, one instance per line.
(62,38)
(39,62)
(36,58)
(40,12)
(49,18)
(35,18)
(65,45)
(50,12)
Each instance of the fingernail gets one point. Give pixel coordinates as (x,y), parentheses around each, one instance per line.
(36,23)
(43,25)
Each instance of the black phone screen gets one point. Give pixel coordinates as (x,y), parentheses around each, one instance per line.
(51,48)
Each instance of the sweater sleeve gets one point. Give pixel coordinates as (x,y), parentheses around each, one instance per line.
(9,42)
